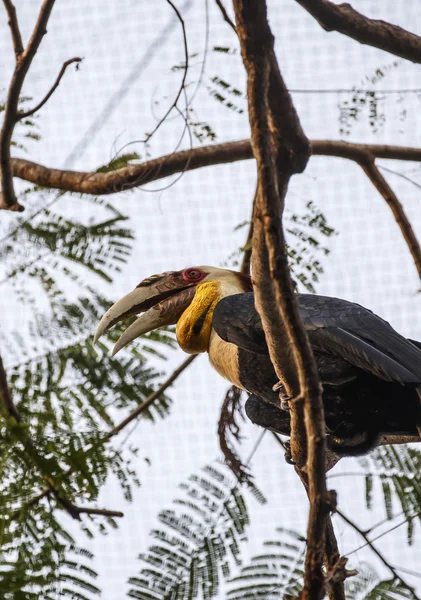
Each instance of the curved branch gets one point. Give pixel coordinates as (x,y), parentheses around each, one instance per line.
(24,59)
(127,178)
(372,32)
(28,113)
(396,207)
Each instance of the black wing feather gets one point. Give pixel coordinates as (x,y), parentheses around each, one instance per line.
(335,327)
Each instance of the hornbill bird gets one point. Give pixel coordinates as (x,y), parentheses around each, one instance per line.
(371,375)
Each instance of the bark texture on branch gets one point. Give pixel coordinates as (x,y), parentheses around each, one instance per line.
(281,149)
(372,32)
(136,175)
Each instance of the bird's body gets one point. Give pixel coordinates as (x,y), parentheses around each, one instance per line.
(370,373)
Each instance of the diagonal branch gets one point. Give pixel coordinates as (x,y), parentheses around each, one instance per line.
(28,113)
(150,399)
(225,15)
(380,34)
(396,207)
(14,27)
(113,432)
(378,553)
(24,59)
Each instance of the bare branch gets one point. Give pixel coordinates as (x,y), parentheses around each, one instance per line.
(396,207)
(132,176)
(14,27)
(150,400)
(380,34)
(102,512)
(28,113)
(8,200)
(225,15)
(378,554)
(227,423)
(281,149)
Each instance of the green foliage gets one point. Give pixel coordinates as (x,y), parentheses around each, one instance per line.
(367,585)
(276,572)
(123,160)
(39,559)
(25,129)
(198,543)
(303,246)
(366,104)
(398,470)
(69,393)
(224,93)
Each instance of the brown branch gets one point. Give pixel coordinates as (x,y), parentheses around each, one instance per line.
(225,15)
(150,400)
(8,200)
(377,553)
(281,149)
(372,32)
(396,207)
(227,423)
(14,27)
(28,113)
(102,512)
(132,176)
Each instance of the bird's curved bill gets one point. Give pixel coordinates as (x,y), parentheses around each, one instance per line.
(162,299)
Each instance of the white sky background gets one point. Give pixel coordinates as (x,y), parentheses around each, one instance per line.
(193,221)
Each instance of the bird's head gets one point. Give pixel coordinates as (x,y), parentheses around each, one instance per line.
(186,298)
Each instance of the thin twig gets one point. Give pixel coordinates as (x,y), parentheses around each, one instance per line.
(14,27)
(185,70)
(28,113)
(150,400)
(225,15)
(378,554)
(396,207)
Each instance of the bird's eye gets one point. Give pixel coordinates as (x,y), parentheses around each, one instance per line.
(192,274)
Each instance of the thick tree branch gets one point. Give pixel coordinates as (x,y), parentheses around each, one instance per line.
(136,175)
(24,59)
(28,113)
(281,149)
(380,34)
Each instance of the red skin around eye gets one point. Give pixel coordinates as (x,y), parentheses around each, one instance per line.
(193,275)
